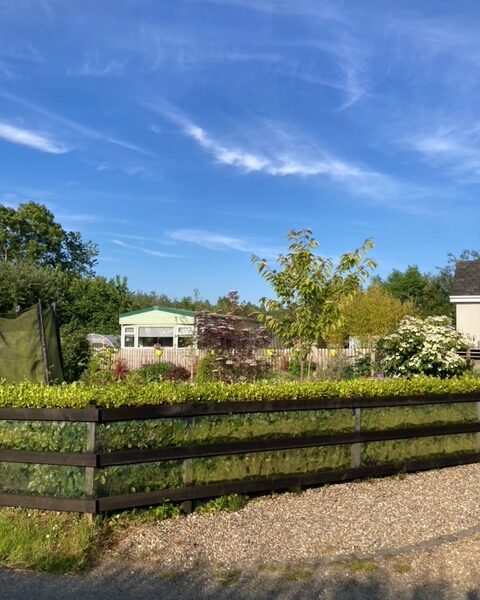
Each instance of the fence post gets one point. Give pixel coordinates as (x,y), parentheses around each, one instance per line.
(187,470)
(90,471)
(356,451)
(477,435)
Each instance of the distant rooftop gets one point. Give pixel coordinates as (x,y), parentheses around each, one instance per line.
(466,281)
(175,311)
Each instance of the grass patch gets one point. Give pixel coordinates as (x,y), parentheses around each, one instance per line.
(362,566)
(230,503)
(296,575)
(268,568)
(143,516)
(49,542)
(228,578)
(401,568)
(54,542)
(169,575)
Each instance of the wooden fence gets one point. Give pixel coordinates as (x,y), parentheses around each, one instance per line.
(96,462)
(188,357)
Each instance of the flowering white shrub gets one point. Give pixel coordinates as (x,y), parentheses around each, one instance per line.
(423,347)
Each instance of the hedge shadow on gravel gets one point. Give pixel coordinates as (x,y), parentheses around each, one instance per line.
(124,582)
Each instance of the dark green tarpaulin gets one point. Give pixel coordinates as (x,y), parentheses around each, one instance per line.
(29,347)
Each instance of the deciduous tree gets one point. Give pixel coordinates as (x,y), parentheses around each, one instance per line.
(374,313)
(311,291)
(30,234)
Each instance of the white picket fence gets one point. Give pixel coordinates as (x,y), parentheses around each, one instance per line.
(188,357)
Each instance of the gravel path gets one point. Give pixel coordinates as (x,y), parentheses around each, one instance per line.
(367,519)
(416,538)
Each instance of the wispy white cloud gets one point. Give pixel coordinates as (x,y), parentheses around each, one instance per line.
(227,154)
(138,238)
(329,54)
(219,241)
(288,157)
(10,199)
(318,9)
(348,58)
(208,239)
(93,66)
(454,148)
(67,218)
(271,149)
(70,220)
(37,141)
(137,171)
(456,38)
(83,130)
(144,250)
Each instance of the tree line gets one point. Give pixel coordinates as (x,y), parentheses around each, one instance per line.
(42,260)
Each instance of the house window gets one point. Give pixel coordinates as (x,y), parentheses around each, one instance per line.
(129,337)
(185,341)
(155,336)
(185,336)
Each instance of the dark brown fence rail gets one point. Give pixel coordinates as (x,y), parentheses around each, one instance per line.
(94,461)
(471,353)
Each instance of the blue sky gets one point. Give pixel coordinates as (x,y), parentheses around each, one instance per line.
(183,136)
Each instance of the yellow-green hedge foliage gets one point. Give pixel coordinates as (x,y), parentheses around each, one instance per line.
(129,394)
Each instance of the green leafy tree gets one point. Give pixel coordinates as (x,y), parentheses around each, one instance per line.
(30,234)
(95,303)
(230,303)
(430,292)
(144,299)
(75,351)
(310,291)
(23,285)
(407,285)
(374,313)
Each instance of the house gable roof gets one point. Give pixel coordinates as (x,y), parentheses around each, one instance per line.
(174,311)
(466,281)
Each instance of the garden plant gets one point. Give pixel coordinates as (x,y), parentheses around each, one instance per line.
(423,347)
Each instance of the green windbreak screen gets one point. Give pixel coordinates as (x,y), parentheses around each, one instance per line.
(21,354)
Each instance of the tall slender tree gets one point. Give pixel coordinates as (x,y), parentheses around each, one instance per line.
(311,291)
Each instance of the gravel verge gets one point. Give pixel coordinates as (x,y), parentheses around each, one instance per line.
(368,519)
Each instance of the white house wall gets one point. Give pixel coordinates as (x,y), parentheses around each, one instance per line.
(468,320)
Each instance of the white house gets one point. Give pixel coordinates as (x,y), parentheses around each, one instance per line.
(466,297)
(157,326)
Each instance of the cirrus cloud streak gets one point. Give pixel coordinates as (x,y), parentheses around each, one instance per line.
(31,139)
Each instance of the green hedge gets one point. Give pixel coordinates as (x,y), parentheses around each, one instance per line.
(125,394)
(158,433)
(42,480)
(43,436)
(70,482)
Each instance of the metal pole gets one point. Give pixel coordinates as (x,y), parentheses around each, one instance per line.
(59,342)
(43,343)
